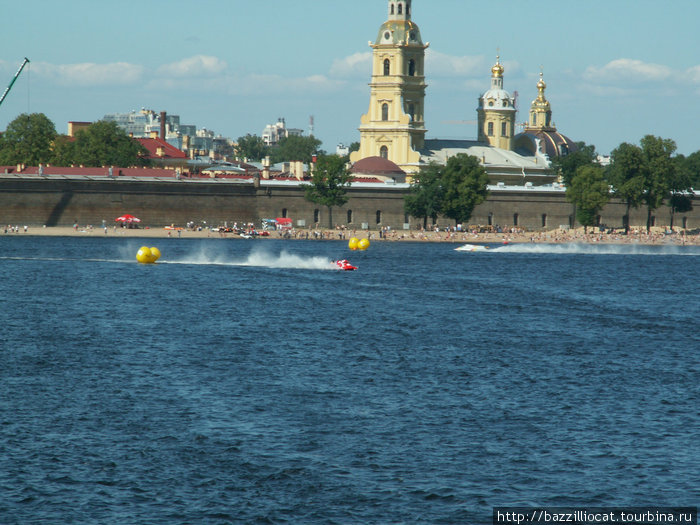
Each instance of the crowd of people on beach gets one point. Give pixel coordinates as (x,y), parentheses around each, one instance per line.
(9,228)
(504,235)
(472,234)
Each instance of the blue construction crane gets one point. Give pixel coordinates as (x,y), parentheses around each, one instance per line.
(26,60)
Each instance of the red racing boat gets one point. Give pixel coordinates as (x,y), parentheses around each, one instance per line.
(344,265)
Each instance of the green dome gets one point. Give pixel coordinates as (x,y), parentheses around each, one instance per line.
(399,32)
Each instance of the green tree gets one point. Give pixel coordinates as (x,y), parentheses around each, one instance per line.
(28,140)
(589,192)
(681,184)
(329,184)
(568,165)
(106,144)
(63,151)
(425,195)
(659,171)
(465,184)
(626,174)
(692,165)
(251,147)
(295,147)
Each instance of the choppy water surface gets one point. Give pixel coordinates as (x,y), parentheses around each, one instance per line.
(247,382)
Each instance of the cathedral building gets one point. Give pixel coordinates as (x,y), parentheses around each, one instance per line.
(394,126)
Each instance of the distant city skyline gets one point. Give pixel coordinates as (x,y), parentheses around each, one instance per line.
(615,71)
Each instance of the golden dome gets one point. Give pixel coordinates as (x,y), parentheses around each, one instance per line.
(498,69)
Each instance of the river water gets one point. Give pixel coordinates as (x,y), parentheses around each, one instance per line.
(249,382)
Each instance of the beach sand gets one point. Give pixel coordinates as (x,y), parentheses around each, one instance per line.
(636,236)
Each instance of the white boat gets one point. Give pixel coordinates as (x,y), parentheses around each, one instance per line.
(472,248)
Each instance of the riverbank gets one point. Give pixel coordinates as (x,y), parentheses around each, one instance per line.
(656,237)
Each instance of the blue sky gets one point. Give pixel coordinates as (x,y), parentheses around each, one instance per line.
(616,69)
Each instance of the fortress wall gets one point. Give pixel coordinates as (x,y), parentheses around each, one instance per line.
(63,202)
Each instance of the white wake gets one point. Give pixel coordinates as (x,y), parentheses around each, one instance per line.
(259,258)
(598,249)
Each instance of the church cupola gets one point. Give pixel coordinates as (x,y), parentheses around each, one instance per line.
(540,109)
(496,112)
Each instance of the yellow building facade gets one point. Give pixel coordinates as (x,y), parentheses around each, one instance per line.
(496,112)
(394,126)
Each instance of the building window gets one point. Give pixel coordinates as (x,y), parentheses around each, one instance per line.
(490,219)
(349,216)
(625,221)
(387,67)
(385,112)
(400,8)
(515,219)
(284,213)
(392,9)
(490,129)
(653,220)
(412,68)
(412,111)
(384,152)
(317,216)
(534,120)
(504,129)
(544,220)
(379,216)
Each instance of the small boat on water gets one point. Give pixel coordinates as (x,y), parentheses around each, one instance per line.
(344,265)
(472,248)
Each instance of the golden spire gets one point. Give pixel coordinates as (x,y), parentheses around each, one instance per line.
(498,69)
(541,86)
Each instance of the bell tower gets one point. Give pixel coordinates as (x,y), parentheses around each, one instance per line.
(394,126)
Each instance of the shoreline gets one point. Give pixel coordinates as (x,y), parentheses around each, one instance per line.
(639,237)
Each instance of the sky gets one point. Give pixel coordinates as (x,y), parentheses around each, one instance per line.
(616,70)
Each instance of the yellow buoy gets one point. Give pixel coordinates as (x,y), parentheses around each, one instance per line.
(353,243)
(144,255)
(155,252)
(363,244)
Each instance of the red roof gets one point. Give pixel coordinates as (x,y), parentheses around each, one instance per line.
(159,149)
(376,166)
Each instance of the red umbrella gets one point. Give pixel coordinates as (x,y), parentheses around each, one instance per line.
(127,218)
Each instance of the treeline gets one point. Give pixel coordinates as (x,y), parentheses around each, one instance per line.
(294,147)
(647,175)
(31,139)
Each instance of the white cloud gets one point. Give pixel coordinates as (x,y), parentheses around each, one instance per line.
(276,84)
(196,66)
(90,74)
(442,65)
(359,64)
(694,74)
(627,71)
